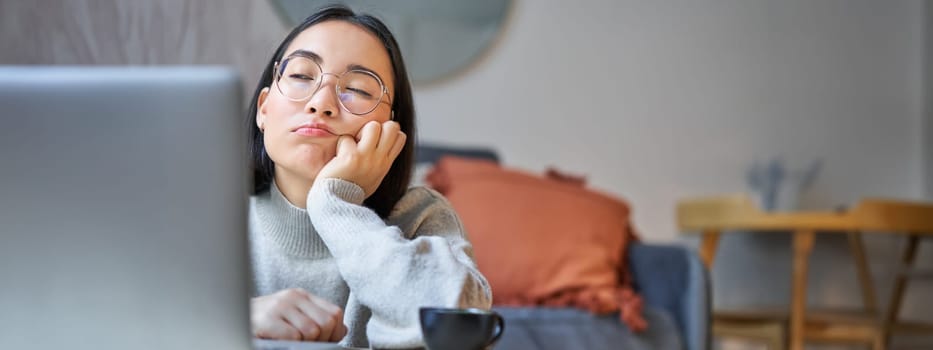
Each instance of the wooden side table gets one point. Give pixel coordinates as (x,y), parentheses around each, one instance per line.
(712,216)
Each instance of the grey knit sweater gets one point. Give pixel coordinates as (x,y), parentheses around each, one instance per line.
(380,272)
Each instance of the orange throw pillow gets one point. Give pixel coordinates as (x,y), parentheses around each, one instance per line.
(542,241)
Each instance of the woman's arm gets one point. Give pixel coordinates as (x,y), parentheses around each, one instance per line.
(391,272)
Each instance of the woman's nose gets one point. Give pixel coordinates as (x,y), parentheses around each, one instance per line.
(324,100)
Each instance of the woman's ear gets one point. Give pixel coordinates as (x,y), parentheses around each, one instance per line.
(261,109)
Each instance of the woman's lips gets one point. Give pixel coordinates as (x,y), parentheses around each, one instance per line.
(313,132)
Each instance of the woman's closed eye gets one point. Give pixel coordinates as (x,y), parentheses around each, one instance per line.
(301,76)
(360,93)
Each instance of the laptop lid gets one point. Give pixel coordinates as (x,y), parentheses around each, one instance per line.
(122,209)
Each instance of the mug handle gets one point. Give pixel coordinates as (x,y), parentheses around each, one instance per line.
(500,327)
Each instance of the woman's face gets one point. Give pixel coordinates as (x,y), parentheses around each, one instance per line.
(301,136)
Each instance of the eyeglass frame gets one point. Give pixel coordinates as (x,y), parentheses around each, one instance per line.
(320,82)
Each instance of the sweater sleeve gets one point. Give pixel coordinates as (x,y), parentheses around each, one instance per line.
(394,273)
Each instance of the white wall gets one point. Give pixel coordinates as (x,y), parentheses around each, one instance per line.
(656,100)
(659,100)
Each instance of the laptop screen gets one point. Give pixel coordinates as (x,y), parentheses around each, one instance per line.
(122,209)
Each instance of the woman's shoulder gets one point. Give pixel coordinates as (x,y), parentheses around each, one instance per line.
(419,198)
(421,204)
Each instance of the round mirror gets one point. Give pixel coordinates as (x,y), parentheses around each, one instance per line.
(438,37)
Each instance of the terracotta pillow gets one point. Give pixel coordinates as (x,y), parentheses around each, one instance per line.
(542,241)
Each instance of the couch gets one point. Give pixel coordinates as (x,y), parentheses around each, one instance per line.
(671,280)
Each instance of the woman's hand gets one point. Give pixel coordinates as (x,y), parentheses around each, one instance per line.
(296,314)
(366,163)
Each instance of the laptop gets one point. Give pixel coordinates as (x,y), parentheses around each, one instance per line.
(122,209)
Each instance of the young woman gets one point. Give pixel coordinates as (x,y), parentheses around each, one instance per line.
(342,249)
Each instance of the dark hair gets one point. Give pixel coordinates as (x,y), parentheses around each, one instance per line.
(395,183)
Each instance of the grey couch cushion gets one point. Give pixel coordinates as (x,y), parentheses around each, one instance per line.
(431,153)
(672,278)
(543,328)
(427,155)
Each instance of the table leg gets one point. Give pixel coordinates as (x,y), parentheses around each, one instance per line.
(803,245)
(900,284)
(879,343)
(708,247)
(857,247)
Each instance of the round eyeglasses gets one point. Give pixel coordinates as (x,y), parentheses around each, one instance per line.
(358,91)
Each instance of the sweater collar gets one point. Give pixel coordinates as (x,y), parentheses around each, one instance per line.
(288,226)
